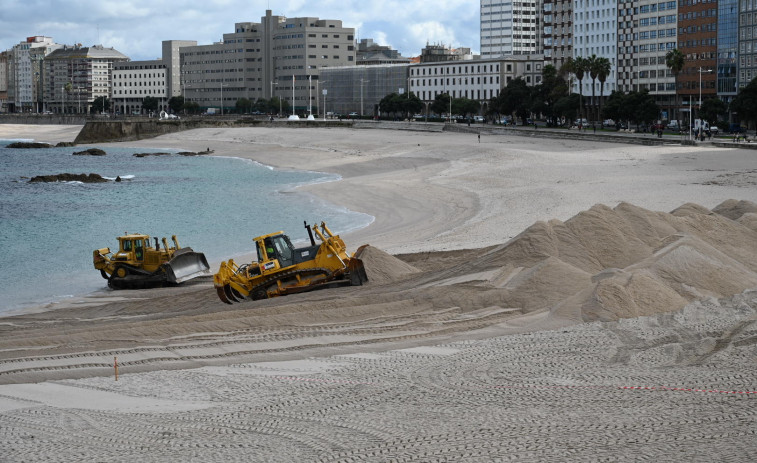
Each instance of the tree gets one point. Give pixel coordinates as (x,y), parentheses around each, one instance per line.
(192,107)
(580,65)
(515,99)
(441,104)
(412,104)
(101,104)
(593,69)
(711,109)
(675,60)
(150,103)
(465,106)
(176,103)
(603,68)
(567,107)
(545,95)
(745,102)
(243,105)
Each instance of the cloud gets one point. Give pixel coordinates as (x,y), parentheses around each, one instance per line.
(137,27)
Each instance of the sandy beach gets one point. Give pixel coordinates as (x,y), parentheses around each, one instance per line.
(529,300)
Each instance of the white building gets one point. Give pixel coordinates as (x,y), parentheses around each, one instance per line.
(25,73)
(595,25)
(510,28)
(161,79)
(479,80)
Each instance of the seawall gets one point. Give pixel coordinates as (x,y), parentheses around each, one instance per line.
(127,130)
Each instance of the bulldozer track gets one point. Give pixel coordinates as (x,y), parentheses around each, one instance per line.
(268,283)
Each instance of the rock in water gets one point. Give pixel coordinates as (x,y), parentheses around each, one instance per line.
(84,178)
(29,145)
(90,152)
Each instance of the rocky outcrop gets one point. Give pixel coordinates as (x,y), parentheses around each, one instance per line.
(181,153)
(90,152)
(84,178)
(144,155)
(65,144)
(29,145)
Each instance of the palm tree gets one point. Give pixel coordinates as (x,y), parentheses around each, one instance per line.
(579,66)
(603,68)
(675,60)
(592,68)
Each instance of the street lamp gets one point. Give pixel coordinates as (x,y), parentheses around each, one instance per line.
(317,83)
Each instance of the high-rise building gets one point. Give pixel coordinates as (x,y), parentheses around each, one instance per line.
(75,76)
(747,42)
(595,30)
(728,48)
(510,28)
(647,31)
(278,56)
(557,30)
(3,81)
(697,40)
(25,77)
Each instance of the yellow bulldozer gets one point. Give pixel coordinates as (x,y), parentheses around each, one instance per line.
(137,264)
(280,269)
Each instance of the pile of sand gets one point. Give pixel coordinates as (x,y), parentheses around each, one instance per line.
(605,264)
(382,267)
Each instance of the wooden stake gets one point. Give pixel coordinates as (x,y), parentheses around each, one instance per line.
(115,366)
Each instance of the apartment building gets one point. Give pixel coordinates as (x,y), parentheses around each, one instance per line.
(510,27)
(697,40)
(647,31)
(75,76)
(3,81)
(25,76)
(276,56)
(557,31)
(595,32)
(161,79)
(747,42)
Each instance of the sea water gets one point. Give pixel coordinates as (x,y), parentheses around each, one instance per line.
(214,204)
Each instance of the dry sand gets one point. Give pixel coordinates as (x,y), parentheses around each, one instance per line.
(519,292)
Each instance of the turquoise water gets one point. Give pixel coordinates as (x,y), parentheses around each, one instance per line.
(215,205)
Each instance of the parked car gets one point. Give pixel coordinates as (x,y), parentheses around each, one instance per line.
(608,123)
(478,119)
(353,114)
(714,130)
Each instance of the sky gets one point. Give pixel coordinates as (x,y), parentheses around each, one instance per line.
(136,28)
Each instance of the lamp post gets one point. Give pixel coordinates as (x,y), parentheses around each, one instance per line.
(317,83)
(276,84)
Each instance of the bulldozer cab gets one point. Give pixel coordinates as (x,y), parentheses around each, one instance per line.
(277,247)
(133,244)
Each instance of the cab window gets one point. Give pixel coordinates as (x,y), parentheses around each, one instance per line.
(138,251)
(126,245)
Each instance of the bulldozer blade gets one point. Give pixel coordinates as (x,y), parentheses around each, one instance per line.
(229,293)
(357,272)
(186,266)
(222,295)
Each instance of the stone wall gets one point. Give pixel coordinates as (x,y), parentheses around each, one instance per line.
(125,130)
(46,119)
